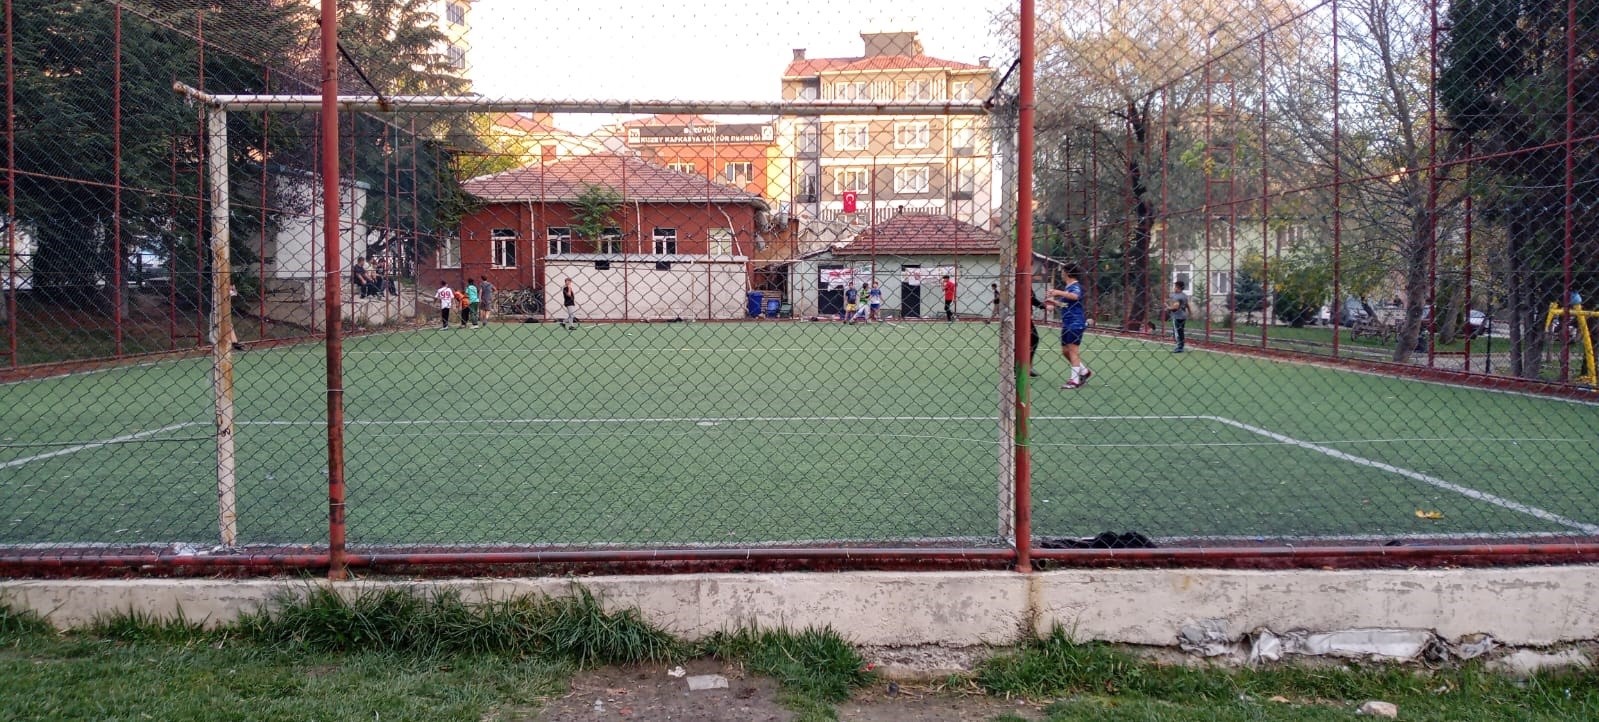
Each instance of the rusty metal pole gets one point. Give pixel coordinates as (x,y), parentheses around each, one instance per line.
(1571,197)
(221,323)
(1336,308)
(11,192)
(1265,208)
(1024,279)
(117,291)
(329,121)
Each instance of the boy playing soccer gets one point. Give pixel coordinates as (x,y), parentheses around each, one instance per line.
(472,301)
(1177,306)
(850,297)
(1073,321)
(876,297)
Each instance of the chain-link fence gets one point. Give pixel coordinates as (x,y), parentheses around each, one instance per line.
(617,283)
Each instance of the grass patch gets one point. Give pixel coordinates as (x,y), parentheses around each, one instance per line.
(16,624)
(1098,682)
(575,629)
(815,668)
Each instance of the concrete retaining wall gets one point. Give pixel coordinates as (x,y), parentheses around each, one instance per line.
(1529,606)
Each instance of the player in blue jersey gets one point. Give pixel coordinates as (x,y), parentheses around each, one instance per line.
(1073,321)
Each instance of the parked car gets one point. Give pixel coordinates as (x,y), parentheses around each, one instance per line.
(1478,324)
(1354,311)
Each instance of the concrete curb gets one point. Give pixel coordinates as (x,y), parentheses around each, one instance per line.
(1523,606)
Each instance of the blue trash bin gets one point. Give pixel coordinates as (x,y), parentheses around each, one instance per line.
(754,306)
(772,304)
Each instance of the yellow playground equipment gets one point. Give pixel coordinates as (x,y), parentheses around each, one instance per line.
(1576,316)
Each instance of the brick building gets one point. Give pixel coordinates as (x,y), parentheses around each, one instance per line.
(677,245)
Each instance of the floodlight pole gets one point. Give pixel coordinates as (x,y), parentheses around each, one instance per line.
(222,337)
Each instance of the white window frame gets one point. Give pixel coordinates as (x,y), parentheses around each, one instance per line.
(683,167)
(919,90)
(611,240)
(504,248)
(966,181)
(456,56)
(455,12)
(861,176)
(1183,272)
(560,239)
(449,254)
(963,90)
(913,179)
(852,90)
(912,134)
(721,241)
(665,241)
(738,178)
(962,136)
(852,136)
(1221,283)
(810,140)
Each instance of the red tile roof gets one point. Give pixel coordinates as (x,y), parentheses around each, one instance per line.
(565,179)
(911,234)
(814,66)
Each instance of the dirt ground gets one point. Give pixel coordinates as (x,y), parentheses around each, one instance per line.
(615,694)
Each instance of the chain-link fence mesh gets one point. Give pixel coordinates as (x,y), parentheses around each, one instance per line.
(743,277)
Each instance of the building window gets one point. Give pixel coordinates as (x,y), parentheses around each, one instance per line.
(1221,283)
(914,134)
(854,90)
(665,241)
(912,180)
(450,252)
(682,167)
(851,136)
(721,241)
(919,90)
(853,179)
(738,173)
(808,189)
(963,90)
(965,184)
(811,140)
(560,240)
(1183,272)
(457,57)
(962,138)
(504,247)
(611,240)
(456,13)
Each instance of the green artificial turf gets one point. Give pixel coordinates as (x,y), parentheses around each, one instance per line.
(772,432)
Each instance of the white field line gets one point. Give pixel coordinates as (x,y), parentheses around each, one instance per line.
(1441,536)
(662,349)
(704,419)
(1332,365)
(1417,476)
(96,444)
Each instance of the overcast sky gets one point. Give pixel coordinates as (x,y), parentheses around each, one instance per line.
(704,50)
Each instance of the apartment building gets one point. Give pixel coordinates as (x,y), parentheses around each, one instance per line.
(918,164)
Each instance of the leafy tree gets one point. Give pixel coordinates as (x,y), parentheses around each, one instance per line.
(64,131)
(1299,288)
(593,210)
(1503,82)
(1249,285)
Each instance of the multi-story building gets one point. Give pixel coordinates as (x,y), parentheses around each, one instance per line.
(919,164)
(454,23)
(733,154)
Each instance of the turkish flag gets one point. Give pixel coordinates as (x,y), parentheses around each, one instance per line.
(849,201)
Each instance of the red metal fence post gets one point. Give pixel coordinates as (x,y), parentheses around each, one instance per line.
(117,291)
(329,120)
(11,193)
(1024,280)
